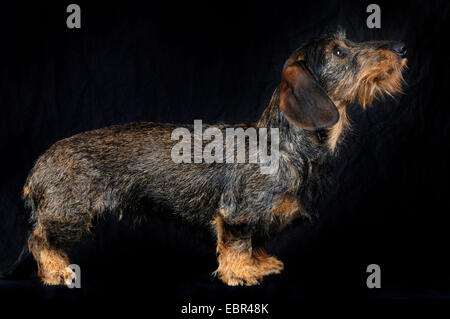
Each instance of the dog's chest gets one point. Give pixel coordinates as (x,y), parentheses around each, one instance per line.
(285,210)
(286,207)
(294,202)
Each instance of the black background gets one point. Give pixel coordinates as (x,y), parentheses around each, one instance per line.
(176,62)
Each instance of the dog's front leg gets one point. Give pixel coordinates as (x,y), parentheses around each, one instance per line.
(239,262)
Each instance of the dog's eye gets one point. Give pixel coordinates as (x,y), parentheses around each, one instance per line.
(339,52)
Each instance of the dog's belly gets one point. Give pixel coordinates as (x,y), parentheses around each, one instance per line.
(192,194)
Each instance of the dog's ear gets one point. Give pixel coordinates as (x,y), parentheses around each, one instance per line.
(303,101)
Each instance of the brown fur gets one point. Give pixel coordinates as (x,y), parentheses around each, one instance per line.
(335,132)
(239,263)
(52,263)
(26,191)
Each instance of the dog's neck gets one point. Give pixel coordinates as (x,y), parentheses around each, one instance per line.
(293,140)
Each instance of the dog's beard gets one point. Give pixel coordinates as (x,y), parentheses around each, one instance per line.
(383,78)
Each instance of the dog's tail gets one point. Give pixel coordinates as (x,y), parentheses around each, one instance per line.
(8,269)
(8,265)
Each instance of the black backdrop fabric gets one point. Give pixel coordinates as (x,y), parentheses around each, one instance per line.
(220,62)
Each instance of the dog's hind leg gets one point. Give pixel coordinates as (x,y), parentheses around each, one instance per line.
(52,262)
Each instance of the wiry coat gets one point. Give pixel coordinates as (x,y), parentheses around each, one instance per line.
(119,168)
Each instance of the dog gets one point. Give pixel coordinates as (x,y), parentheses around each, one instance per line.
(85,177)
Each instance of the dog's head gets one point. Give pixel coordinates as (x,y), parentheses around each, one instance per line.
(333,70)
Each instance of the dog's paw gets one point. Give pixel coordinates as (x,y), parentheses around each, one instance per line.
(270,265)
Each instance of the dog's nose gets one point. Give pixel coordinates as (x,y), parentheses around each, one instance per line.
(399,48)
